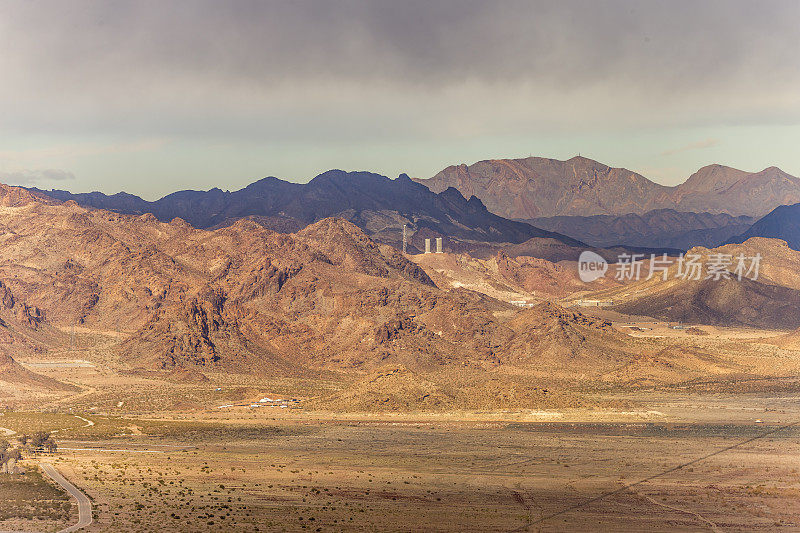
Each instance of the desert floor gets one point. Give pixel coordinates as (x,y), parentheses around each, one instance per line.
(722,455)
(699,462)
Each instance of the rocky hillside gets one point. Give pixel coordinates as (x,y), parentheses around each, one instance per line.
(23,333)
(721,189)
(538,187)
(12,374)
(245,299)
(771,301)
(241,298)
(521,278)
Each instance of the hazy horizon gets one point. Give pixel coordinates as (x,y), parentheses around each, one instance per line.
(59,182)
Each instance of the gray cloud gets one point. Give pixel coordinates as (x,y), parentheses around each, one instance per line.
(257,86)
(35,177)
(363,69)
(406,42)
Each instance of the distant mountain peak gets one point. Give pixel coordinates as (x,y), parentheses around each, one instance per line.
(453,194)
(773,169)
(783,223)
(328,175)
(536,187)
(712,177)
(585,160)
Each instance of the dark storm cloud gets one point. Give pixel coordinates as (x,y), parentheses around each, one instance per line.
(189,67)
(422,40)
(417,41)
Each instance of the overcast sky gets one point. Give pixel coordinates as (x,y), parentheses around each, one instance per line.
(150,97)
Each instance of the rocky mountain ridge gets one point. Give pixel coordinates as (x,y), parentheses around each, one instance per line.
(539,187)
(376,204)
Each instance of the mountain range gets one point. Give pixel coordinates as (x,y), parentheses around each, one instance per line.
(242,299)
(375,203)
(716,205)
(328,302)
(537,187)
(661,228)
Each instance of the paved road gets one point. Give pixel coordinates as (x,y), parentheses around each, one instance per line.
(84,505)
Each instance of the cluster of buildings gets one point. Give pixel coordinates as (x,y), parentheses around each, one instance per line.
(281,403)
(277,402)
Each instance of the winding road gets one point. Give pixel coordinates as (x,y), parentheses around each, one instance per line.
(84,505)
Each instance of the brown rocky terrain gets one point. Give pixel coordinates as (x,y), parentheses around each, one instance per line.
(12,374)
(23,333)
(770,301)
(539,276)
(721,189)
(539,187)
(241,298)
(390,389)
(507,278)
(326,302)
(397,389)
(790,341)
(725,303)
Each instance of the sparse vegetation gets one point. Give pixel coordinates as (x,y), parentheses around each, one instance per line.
(32,498)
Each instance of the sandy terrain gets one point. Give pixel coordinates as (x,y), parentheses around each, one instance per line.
(401,474)
(678,460)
